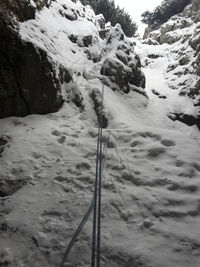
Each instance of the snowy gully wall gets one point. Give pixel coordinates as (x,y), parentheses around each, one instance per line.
(181,34)
(43,56)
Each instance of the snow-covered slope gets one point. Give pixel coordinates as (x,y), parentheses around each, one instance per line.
(181,34)
(151,204)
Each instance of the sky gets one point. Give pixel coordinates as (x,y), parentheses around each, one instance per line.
(136,8)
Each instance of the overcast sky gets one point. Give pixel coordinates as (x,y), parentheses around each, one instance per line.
(136,8)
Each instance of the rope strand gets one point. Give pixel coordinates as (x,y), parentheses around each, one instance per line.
(96,201)
(96,244)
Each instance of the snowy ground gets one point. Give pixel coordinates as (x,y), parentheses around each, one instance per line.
(151,203)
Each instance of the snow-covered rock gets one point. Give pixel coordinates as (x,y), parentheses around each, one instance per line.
(123,69)
(63,36)
(182,33)
(150,185)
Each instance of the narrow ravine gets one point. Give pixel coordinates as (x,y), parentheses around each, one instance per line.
(150,187)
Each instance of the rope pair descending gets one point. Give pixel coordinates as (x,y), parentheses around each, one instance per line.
(96,202)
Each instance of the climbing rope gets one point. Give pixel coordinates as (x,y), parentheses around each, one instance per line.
(76,234)
(88,213)
(96,201)
(96,234)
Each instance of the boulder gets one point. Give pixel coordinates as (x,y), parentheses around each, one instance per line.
(123,70)
(73,38)
(188,119)
(87,40)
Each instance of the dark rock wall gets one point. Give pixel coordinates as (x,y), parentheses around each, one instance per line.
(28,80)
(22,9)
(28,83)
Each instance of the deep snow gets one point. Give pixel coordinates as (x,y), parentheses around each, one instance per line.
(151,203)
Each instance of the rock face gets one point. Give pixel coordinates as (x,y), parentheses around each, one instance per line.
(182,34)
(28,82)
(170,32)
(122,68)
(38,69)
(185,118)
(3,143)
(23,9)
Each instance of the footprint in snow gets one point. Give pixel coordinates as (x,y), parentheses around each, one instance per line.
(156,152)
(83,166)
(150,135)
(61,139)
(36,155)
(179,163)
(56,133)
(168,142)
(135,143)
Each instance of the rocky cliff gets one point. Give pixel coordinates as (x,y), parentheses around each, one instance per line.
(38,71)
(28,81)
(182,33)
